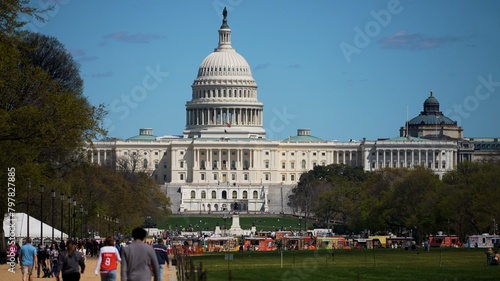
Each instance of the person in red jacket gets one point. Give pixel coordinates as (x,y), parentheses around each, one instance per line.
(107,261)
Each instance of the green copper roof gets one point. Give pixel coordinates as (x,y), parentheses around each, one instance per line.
(142,138)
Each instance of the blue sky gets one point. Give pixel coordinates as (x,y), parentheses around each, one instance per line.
(344,69)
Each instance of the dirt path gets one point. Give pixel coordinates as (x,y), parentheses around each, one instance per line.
(5,275)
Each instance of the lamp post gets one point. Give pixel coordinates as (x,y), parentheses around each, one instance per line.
(62,214)
(69,216)
(74,219)
(42,189)
(28,220)
(81,223)
(52,196)
(300,224)
(86,217)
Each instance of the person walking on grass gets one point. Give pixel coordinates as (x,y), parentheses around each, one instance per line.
(107,261)
(28,260)
(139,260)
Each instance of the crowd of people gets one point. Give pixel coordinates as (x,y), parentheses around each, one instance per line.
(139,260)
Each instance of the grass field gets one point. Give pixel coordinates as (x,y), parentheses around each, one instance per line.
(361,264)
(209,222)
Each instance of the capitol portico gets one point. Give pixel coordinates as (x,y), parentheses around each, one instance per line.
(223,161)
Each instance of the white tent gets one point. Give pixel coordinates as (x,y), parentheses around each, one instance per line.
(18,226)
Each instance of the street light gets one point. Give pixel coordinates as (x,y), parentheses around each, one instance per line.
(28,220)
(81,223)
(74,219)
(69,216)
(42,189)
(300,224)
(62,214)
(53,196)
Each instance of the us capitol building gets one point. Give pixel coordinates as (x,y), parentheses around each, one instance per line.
(223,161)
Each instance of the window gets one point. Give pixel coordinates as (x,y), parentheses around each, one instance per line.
(202,165)
(267,152)
(214,194)
(145,164)
(193,194)
(165,164)
(181,164)
(165,177)
(292,165)
(314,153)
(145,153)
(224,194)
(245,194)
(245,165)
(323,154)
(233,177)
(124,153)
(202,177)
(156,153)
(156,164)
(283,177)
(283,154)
(267,177)
(181,177)
(233,165)
(203,153)
(182,152)
(292,153)
(266,164)
(215,177)
(235,194)
(292,177)
(255,194)
(203,195)
(214,166)
(245,177)
(283,165)
(303,164)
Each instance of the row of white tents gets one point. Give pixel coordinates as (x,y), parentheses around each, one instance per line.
(17,226)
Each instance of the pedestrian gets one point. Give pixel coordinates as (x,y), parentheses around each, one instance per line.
(107,260)
(41,259)
(71,262)
(161,255)
(139,260)
(28,260)
(54,261)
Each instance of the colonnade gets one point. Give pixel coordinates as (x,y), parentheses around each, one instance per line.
(224,116)
(432,158)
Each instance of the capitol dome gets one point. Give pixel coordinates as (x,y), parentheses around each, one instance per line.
(224,100)
(224,63)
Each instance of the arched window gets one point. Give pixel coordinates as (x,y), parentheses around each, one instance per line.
(214,194)
(292,165)
(224,194)
(203,195)
(245,194)
(245,165)
(193,194)
(303,164)
(235,194)
(255,194)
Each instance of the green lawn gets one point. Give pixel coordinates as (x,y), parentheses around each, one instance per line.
(362,264)
(209,222)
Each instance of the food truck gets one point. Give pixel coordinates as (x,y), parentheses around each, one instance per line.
(259,244)
(331,243)
(484,240)
(444,241)
(222,244)
(298,243)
